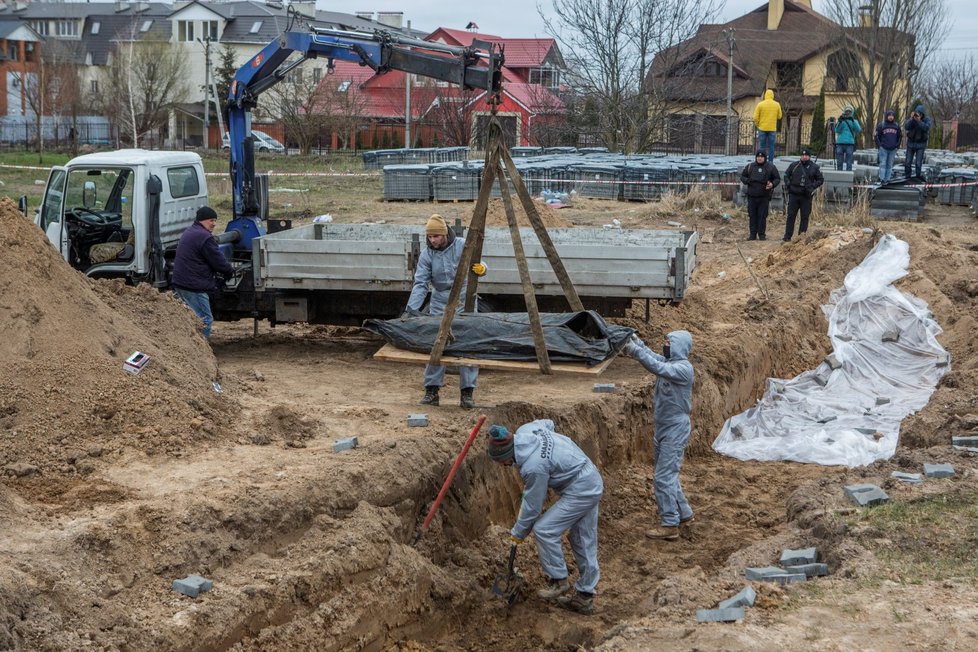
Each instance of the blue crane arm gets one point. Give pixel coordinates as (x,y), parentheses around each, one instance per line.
(478,66)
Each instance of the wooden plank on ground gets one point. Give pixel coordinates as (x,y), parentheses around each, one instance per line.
(390,353)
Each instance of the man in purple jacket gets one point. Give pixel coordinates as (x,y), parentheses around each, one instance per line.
(197,261)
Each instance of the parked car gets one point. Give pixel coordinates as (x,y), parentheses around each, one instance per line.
(263,142)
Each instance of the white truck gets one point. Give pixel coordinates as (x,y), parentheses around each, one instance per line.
(121,214)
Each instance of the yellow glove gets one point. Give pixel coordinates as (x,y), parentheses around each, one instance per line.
(479,269)
(515,540)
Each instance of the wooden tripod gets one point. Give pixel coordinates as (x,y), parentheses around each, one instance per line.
(498,156)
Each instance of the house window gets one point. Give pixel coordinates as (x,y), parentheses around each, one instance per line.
(94,86)
(255,27)
(41,27)
(185,31)
(789,74)
(344,85)
(145,26)
(13,51)
(67,28)
(96,26)
(210,30)
(841,69)
(714,68)
(546,77)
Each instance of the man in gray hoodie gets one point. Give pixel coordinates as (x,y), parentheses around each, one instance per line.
(673,402)
(549,460)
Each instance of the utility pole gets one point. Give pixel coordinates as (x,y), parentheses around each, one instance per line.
(731,44)
(207,87)
(407,103)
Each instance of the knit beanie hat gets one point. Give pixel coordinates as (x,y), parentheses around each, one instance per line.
(436,225)
(500,443)
(205,213)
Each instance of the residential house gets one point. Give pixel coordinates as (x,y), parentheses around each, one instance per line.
(444,114)
(784,46)
(20,51)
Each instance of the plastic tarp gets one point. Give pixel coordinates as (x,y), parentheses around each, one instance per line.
(885,364)
(569,337)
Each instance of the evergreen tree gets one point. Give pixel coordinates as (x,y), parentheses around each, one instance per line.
(817,139)
(224,74)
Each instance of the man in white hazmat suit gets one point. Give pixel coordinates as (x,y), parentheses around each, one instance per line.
(436,268)
(672,403)
(546,459)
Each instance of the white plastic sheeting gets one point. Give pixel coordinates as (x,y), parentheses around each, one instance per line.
(848,410)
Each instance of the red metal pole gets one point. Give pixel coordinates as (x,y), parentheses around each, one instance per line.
(451,475)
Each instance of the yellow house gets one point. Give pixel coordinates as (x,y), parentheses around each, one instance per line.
(784,46)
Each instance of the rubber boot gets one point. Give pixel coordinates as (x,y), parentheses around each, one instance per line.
(466,399)
(430,396)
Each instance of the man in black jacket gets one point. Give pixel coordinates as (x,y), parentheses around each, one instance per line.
(197,260)
(802,179)
(761,178)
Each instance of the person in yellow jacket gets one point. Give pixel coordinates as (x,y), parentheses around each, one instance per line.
(766,117)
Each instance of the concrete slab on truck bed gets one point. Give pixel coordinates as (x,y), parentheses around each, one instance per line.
(390,353)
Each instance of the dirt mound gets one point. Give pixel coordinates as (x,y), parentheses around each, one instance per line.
(65,401)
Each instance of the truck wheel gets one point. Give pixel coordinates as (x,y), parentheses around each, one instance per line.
(262,149)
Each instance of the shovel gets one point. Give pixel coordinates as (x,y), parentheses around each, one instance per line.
(507,585)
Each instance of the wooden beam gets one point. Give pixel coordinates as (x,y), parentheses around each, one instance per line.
(389,353)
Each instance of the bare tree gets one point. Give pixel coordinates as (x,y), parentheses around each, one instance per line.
(150,77)
(949,87)
(342,105)
(610,44)
(54,90)
(445,109)
(293,102)
(883,46)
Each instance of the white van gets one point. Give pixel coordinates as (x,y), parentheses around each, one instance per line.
(263,142)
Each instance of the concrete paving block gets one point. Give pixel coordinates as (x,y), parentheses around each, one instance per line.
(944,360)
(757,573)
(773,574)
(827,419)
(344,444)
(192,585)
(882,400)
(909,478)
(798,557)
(874,496)
(938,470)
(832,360)
(604,388)
(965,440)
(851,490)
(891,336)
(966,449)
(821,378)
(810,570)
(719,615)
(417,420)
(745,598)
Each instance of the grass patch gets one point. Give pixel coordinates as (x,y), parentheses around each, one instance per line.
(933,538)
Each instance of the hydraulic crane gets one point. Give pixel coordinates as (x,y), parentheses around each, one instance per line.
(478,66)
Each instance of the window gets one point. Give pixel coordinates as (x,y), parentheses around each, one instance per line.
(41,27)
(96,26)
(714,68)
(344,86)
(183,182)
(94,86)
(185,30)
(51,207)
(210,30)
(67,28)
(546,77)
(841,67)
(255,27)
(13,51)
(789,74)
(145,26)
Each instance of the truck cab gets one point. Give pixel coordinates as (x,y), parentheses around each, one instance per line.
(118,214)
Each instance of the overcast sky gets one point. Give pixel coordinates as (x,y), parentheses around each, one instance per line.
(520,19)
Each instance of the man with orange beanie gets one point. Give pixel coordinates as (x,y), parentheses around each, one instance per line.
(436,270)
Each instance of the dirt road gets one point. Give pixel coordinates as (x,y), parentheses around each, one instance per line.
(118,484)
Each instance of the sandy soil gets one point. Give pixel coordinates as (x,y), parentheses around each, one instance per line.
(117,484)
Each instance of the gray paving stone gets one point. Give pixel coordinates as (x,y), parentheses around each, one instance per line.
(851,490)
(882,400)
(891,336)
(910,478)
(192,585)
(719,615)
(798,557)
(944,360)
(938,470)
(417,420)
(874,496)
(603,388)
(344,444)
(773,574)
(827,419)
(965,440)
(832,360)
(745,598)
(810,570)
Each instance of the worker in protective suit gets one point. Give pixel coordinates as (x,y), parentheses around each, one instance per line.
(436,269)
(673,402)
(546,459)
